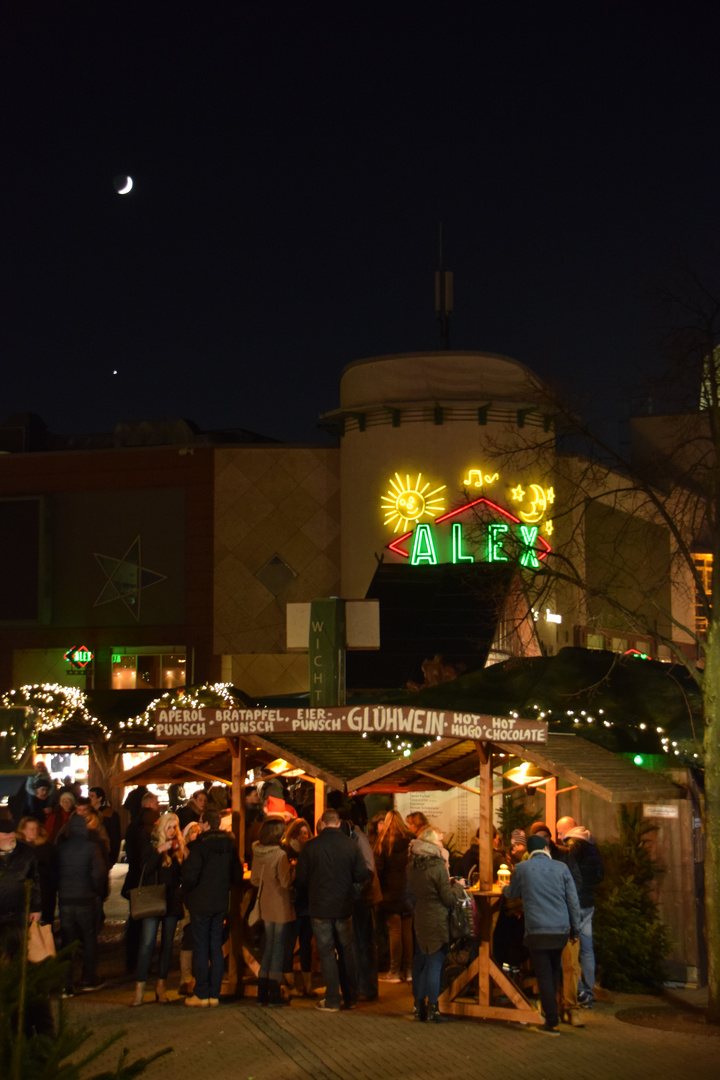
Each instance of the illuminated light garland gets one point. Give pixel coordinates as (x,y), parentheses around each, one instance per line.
(218,695)
(54,706)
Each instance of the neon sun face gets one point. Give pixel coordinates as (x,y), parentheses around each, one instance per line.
(407,502)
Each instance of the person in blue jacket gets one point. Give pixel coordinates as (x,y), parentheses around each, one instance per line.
(552,914)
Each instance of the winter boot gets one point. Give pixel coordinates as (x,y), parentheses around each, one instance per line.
(263,990)
(435,1016)
(276,996)
(139,994)
(420,1010)
(161,992)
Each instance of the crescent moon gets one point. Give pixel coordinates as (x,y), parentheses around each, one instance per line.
(538,505)
(127,186)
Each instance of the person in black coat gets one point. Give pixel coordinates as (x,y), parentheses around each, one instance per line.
(328,867)
(31,832)
(139,828)
(82,887)
(210,870)
(391,859)
(163,855)
(17,866)
(580,843)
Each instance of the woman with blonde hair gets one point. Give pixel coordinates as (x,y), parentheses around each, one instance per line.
(187,980)
(391,856)
(33,833)
(162,857)
(417,822)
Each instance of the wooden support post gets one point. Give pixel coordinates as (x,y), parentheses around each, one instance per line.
(551,805)
(237,774)
(485,850)
(233,983)
(319,801)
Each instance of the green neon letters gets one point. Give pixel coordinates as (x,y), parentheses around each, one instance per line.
(423,550)
(458,554)
(528,536)
(503,543)
(495,537)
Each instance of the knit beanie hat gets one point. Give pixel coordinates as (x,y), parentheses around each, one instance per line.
(536,843)
(517,836)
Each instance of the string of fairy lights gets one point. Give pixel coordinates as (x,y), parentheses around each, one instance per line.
(212,695)
(56,706)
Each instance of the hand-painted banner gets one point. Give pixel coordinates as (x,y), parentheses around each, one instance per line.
(211,723)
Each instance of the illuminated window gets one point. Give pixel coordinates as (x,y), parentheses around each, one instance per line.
(704,567)
(147,670)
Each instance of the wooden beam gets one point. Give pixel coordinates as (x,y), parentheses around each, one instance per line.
(452,783)
(299,763)
(205,775)
(395,766)
(169,752)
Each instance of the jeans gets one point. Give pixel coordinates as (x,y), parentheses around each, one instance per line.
(332,934)
(78,922)
(401,942)
(547,965)
(300,931)
(208,960)
(587,953)
(427,974)
(365,942)
(148,936)
(271,965)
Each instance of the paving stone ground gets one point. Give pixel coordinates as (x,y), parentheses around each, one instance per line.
(378,1041)
(244,1041)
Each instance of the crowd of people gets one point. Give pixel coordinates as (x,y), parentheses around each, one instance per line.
(370,898)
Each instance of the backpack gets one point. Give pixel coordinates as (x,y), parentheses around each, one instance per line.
(461,917)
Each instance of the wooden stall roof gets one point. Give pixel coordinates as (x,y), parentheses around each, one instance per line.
(335,759)
(576,760)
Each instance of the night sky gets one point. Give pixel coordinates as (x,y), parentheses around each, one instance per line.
(291,165)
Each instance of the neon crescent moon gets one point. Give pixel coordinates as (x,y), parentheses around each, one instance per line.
(127,186)
(538,505)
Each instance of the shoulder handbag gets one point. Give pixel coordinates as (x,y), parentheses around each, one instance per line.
(148,901)
(461,917)
(254,913)
(41,943)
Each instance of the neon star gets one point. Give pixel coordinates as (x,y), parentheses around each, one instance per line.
(550,495)
(549,528)
(517,494)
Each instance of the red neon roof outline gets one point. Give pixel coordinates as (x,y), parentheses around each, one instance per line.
(394,545)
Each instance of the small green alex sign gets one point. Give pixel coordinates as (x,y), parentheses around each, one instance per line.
(79,656)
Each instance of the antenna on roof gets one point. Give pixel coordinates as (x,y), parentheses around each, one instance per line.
(443,295)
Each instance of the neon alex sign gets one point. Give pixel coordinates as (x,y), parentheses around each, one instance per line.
(432,545)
